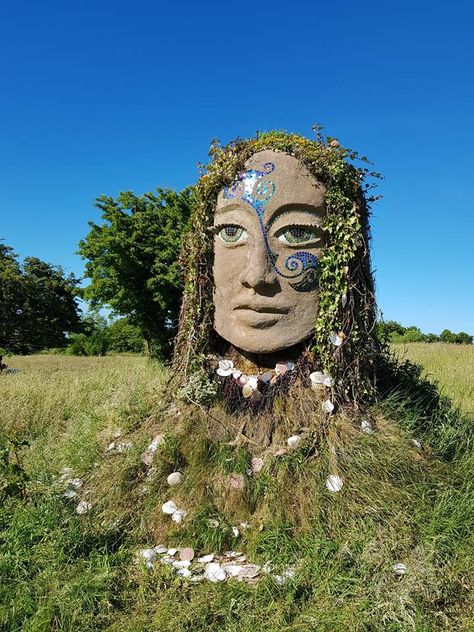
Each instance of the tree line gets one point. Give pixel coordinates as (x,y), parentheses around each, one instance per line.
(133,268)
(391,331)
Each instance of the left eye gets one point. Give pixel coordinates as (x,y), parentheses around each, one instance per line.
(232,234)
(296,234)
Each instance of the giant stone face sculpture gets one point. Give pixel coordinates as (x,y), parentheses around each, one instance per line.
(268,239)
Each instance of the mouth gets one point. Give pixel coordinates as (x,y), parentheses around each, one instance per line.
(263,309)
(260,316)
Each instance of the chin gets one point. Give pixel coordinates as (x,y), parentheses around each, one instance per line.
(265,341)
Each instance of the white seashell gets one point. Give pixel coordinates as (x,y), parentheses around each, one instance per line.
(213,523)
(266,377)
(69,493)
(214,572)
(197,578)
(343,300)
(256,464)
(181,563)
(174,479)
(244,526)
(75,482)
(169,507)
(205,559)
(252,381)
(336,340)
(172,551)
(416,443)
(232,570)
(242,380)
(327,406)
(399,569)
(247,390)
(117,434)
(334,483)
(178,516)
(226,365)
(290,366)
(158,440)
(328,381)
(149,555)
(160,549)
(280,368)
(317,377)
(224,372)
(366,426)
(236,374)
(293,440)
(249,571)
(83,507)
(184,572)
(65,473)
(110,447)
(125,445)
(235,532)
(187,554)
(236,481)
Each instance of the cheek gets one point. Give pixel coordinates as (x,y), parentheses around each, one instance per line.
(228,263)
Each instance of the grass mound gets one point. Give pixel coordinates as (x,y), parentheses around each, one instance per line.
(400,504)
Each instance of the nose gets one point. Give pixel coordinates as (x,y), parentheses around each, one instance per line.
(258,272)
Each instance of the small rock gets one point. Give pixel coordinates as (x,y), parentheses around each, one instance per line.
(174,478)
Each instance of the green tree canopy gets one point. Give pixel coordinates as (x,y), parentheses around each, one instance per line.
(132,260)
(38,305)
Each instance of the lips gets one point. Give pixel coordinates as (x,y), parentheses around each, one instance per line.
(263,309)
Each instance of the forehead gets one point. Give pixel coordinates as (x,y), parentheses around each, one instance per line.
(293,183)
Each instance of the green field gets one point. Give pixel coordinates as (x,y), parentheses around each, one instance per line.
(451,366)
(67,572)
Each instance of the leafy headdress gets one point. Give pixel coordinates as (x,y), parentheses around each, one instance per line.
(344,344)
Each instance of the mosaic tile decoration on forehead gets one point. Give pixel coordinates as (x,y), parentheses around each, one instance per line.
(253,189)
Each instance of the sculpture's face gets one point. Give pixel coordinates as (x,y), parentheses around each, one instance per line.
(268,240)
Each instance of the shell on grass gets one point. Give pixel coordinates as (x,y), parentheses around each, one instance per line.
(334,483)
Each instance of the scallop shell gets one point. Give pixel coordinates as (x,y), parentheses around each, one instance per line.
(178,516)
(317,377)
(247,390)
(256,464)
(336,340)
(186,554)
(366,426)
(83,507)
(399,569)
(281,368)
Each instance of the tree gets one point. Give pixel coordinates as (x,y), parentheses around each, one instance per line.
(447,336)
(132,261)
(463,338)
(38,304)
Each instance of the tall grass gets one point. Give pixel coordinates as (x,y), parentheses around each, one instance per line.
(399,503)
(451,366)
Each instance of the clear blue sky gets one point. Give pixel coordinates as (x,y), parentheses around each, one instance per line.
(98,97)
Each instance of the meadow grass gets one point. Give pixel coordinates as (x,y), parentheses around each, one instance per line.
(451,366)
(399,503)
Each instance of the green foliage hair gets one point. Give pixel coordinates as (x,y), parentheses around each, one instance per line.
(346,286)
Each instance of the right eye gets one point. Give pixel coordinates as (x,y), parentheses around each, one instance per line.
(232,234)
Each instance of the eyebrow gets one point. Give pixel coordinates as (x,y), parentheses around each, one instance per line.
(294,207)
(234,206)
